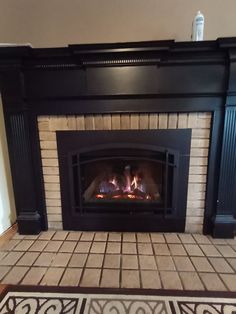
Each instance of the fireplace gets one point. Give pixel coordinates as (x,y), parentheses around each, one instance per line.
(114,180)
(137,182)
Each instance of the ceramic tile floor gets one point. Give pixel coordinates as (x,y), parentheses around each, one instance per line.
(120,260)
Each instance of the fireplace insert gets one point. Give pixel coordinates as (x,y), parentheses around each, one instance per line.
(124,180)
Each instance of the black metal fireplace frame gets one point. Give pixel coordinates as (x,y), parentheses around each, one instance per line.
(150,77)
(176,142)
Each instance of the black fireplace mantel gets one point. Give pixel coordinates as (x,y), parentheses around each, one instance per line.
(160,76)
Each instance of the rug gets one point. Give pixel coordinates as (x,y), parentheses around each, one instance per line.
(51,300)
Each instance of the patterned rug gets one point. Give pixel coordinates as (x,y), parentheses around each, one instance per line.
(51,300)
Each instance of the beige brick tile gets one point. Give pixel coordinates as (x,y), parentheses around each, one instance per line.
(67,247)
(60,235)
(231,241)
(147,262)
(15,275)
(28,259)
(129,262)
(83,247)
(221,265)
(45,259)
(202,264)
(145,248)
(78,260)
(177,249)
(183,263)
(52,276)
(110,278)
(130,279)
(3,254)
(209,250)
(157,238)
(172,238)
(8,246)
(3,271)
(91,277)
(191,281)
(150,279)
(113,247)
(101,236)
(193,250)
(18,236)
(201,239)
(212,282)
(217,241)
(229,280)
(170,280)
(232,262)
(87,236)
(129,248)
(61,260)
(34,276)
(46,235)
(114,236)
(71,277)
(11,258)
(226,250)
(24,245)
(38,246)
(112,261)
(186,238)
(165,263)
(98,247)
(129,237)
(143,237)
(161,249)
(53,246)
(95,260)
(74,236)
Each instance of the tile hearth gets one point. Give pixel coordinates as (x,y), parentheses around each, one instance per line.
(120,260)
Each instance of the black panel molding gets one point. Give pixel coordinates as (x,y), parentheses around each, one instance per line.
(158,76)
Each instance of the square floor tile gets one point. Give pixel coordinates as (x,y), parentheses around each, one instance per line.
(101,236)
(11,258)
(193,250)
(38,246)
(110,278)
(172,238)
(147,262)
(67,247)
(95,260)
(24,245)
(129,237)
(129,248)
(78,260)
(201,239)
(114,237)
(191,281)
(74,236)
(46,235)
(165,263)
(113,247)
(112,261)
(83,247)
(143,237)
(183,263)
(229,280)
(28,259)
(44,259)
(145,248)
(34,276)
(201,264)
(8,246)
(52,276)
(161,249)
(209,250)
(87,236)
(15,275)
(171,280)
(157,238)
(129,262)
(71,277)
(186,238)
(91,277)
(226,250)
(220,265)
(53,246)
(61,260)
(150,279)
(177,249)
(98,247)
(130,279)
(60,235)
(212,282)
(3,271)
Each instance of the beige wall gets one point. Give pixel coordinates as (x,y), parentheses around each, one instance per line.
(59,22)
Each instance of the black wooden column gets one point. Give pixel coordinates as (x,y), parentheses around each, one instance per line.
(20,135)
(224,221)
